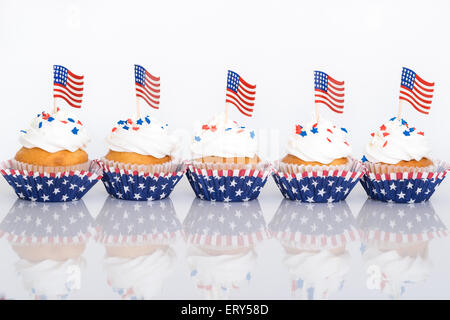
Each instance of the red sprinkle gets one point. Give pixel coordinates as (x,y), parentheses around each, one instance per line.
(135,128)
(385,143)
(239,131)
(130,121)
(421,133)
(315,125)
(205,127)
(329,131)
(383,127)
(298,129)
(114,129)
(79,122)
(63,121)
(213,128)
(385,134)
(328,139)
(346,143)
(57,109)
(372,134)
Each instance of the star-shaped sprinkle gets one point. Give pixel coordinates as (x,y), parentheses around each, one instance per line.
(314,130)
(139,122)
(197,138)
(75,130)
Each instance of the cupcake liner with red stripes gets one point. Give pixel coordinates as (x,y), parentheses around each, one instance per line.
(138,185)
(404,187)
(51,187)
(227,185)
(319,186)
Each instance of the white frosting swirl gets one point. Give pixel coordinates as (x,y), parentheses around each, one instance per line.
(220,273)
(224,138)
(55,132)
(51,279)
(321,273)
(322,142)
(142,277)
(396,141)
(396,270)
(146,136)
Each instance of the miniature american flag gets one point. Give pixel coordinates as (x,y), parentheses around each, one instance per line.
(416,91)
(329,91)
(240,93)
(67,86)
(147,86)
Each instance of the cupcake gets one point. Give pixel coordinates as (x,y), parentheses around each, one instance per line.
(395,244)
(225,165)
(49,240)
(399,165)
(221,242)
(52,164)
(318,166)
(315,239)
(138,243)
(141,163)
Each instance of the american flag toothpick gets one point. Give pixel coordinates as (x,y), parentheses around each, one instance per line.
(147,88)
(415,91)
(67,86)
(240,93)
(329,92)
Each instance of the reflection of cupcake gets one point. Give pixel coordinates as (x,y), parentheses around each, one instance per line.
(225,165)
(221,240)
(395,244)
(318,166)
(137,241)
(314,238)
(52,164)
(50,240)
(399,167)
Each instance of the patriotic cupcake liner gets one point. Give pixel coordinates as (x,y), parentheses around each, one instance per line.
(404,187)
(228,185)
(140,185)
(50,187)
(318,186)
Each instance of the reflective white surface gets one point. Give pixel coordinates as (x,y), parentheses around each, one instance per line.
(184,248)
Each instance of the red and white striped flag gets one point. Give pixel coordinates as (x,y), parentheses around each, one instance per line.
(240,93)
(416,91)
(147,86)
(328,91)
(67,86)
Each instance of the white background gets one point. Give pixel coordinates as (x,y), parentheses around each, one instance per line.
(191,45)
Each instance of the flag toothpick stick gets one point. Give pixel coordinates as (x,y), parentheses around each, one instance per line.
(400,107)
(317,112)
(138,108)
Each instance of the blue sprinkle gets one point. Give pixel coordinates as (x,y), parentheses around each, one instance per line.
(197,138)
(227,129)
(70,119)
(300,283)
(23,131)
(303,133)
(147,120)
(404,122)
(362,249)
(314,130)
(194,272)
(223,288)
(406,133)
(40,125)
(50,119)
(249,276)
(310,293)
(345,130)
(140,122)
(364,159)
(341,285)
(392,119)
(252,134)
(126,127)
(411,129)
(120,122)
(75,130)
(167,125)
(38,115)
